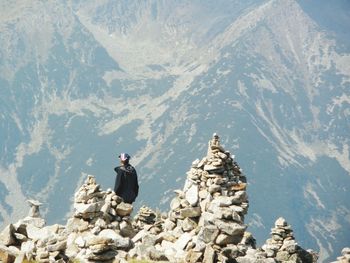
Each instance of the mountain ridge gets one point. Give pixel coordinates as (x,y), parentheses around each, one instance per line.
(278,90)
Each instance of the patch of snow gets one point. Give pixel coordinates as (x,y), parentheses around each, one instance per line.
(309,191)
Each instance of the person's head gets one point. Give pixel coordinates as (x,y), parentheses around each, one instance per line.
(124,158)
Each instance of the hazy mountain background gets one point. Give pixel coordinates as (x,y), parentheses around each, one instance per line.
(82,81)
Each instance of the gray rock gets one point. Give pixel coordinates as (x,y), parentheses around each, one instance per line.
(213,169)
(224,239)
(239,197)
(191,194)
(214,188)
(208,233)
(149,240)
(209,255)
(203,193)
(106,208)
(188,224)
(109,255)
(157,255)
(122,242)
(21,257)
(92,240)
(169,225)
(80,242)
(190,212)
(282,256)
(193,256)
(139,235)
(166,236)
(36,233)
(281,222)
(34,208)
(100,248)
(20,237)
(35,221)
(231,228)
(7,237)
(126,229)
(207,219)
(101,223)
(175,203)
(72,249)
(59,246)
(290,246)
(83,209)
(28,248)
(222,201)
(124,209)
(76,224)
(230,251)
(8,254)
(345,251)
(182,242)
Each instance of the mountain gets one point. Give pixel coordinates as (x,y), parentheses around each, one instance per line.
(82,81)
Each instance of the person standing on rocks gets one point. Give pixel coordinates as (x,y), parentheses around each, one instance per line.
(126,183)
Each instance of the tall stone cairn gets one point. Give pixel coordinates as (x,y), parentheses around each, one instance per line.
(206,219)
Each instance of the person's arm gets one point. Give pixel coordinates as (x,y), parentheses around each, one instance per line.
(136,185)
(117,180)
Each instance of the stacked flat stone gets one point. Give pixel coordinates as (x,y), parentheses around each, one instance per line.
(147,219)
(282,245)
(345,256)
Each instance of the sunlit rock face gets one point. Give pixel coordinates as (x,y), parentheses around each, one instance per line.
(83,81)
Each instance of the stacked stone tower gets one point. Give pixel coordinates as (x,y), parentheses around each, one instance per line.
(206,219)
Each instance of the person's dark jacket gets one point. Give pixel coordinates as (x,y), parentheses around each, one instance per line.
(126,183)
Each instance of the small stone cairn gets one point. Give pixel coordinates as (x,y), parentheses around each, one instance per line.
(283,247)
(345,256)
(101,226)
(148,220)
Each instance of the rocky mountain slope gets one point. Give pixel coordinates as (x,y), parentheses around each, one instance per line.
(82,81)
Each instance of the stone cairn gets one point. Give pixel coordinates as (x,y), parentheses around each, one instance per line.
(206,218)
(283,247)
(101,227)
(345,256)
(147,219)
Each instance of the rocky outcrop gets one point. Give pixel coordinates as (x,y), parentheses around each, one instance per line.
(205,223)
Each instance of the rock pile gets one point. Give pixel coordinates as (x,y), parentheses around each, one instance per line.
(101,226)
(205,224)
(282,245)
(148,220)
(100,229)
